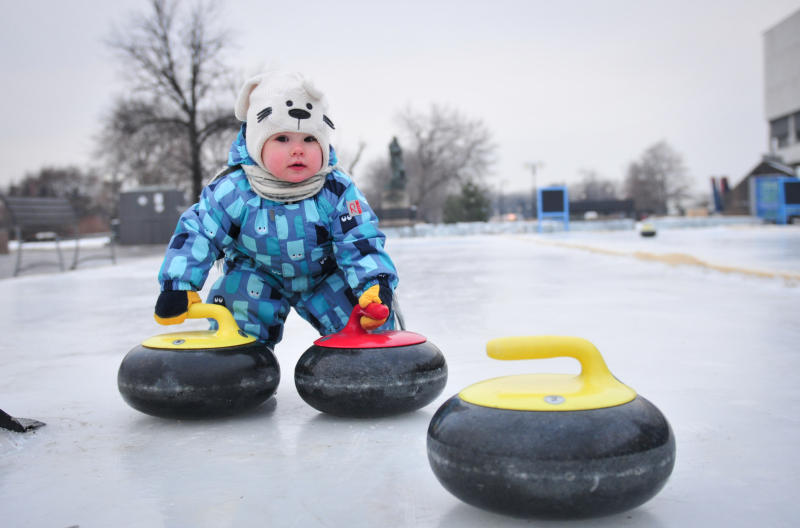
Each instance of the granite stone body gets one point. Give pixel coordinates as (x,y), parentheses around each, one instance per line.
(370,382)
(198,383)
(551,464)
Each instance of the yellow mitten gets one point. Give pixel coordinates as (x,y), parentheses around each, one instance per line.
(375,302)
(172,307)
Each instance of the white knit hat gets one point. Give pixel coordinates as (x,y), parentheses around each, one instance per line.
(282,102)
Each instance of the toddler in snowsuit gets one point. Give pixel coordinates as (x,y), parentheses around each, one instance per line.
(292,228)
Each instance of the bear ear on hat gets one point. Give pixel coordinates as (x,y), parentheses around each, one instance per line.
(243,101)
(310,88)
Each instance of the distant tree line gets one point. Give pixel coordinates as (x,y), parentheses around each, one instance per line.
(173,125)
(88,193)
(657,182)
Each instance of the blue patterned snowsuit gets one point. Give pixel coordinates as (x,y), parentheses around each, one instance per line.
(317,255)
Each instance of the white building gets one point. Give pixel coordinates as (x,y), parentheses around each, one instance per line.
(782,88)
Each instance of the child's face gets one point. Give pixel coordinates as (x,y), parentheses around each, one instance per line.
(292,156)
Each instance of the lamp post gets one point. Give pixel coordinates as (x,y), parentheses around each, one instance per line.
(534,167)
(502,204)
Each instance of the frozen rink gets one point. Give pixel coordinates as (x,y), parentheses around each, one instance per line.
(703,322)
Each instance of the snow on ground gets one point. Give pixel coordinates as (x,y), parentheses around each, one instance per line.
(715,351)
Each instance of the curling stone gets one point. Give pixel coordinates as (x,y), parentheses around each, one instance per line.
(199,374)
(551,445)
(647,230)
(355,373)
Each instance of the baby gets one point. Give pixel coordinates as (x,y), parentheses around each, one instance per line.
(292,228)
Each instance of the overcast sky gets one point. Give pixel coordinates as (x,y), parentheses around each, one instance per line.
(572,85)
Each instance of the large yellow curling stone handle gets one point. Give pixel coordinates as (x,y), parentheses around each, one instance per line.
(593,368)
(228,328)
(226,335)
(594,388)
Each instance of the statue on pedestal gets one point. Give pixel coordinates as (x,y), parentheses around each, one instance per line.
(398,181)
(396,207)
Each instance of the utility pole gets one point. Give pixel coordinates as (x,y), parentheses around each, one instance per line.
(502,200)
(534,167)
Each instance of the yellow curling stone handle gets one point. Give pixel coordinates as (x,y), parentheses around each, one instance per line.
(228,333)
(594,388)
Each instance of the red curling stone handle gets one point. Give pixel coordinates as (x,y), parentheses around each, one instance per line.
(353,336)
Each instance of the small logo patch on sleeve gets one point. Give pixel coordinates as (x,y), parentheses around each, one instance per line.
(354,208)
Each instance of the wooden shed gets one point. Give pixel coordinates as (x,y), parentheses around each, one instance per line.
(737,200)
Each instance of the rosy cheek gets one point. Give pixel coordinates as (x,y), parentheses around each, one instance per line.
(270,158)
(318,155)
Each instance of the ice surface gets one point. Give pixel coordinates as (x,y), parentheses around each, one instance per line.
(716,352)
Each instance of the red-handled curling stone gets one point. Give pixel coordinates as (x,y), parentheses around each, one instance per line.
(551,445)
(199,374)
(356,373)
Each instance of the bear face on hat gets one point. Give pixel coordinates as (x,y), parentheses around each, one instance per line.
(282,102)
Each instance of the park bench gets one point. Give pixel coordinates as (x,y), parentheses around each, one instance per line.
(40,219)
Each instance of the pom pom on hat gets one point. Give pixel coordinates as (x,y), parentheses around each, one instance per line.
(282,102)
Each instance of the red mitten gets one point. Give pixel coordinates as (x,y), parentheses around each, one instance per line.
(375,302)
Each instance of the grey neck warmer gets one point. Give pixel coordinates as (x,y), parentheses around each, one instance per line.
(268,186)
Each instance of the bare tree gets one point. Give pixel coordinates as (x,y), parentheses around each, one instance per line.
(442,150)
(593,187)
(376,178)
(351,160)
(657,179)
(173,62)
(140,154)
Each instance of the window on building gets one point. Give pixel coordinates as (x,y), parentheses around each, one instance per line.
(779,131)
(797,126)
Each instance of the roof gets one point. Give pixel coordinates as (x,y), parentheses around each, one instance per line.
(770,165)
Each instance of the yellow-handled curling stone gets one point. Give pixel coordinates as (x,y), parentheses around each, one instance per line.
(551,445)
(200,373)
(647,230)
